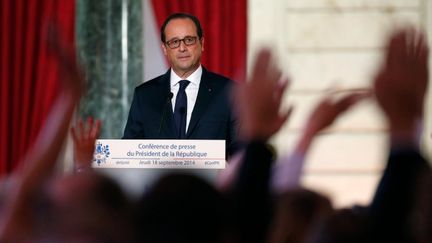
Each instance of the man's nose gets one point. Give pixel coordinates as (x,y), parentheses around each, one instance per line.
(182,46)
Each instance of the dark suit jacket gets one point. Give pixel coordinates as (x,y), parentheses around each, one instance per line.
(151,114)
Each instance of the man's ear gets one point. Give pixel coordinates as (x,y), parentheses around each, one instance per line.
(164,49)
(202,44)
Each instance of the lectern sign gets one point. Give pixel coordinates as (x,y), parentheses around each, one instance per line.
(181,154)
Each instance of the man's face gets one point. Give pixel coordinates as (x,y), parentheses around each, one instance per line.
(184,59)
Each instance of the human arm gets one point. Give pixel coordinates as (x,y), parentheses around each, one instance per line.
(400,88)
(258,104)
(40,161)
(288,171)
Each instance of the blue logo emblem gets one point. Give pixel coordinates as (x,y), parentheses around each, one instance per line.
(101,154)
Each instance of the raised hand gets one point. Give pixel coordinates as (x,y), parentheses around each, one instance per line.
(84,137)
(401,83)
(324,114)
(258,101)
(329,109)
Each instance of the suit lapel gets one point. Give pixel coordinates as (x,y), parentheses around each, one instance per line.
(204,97)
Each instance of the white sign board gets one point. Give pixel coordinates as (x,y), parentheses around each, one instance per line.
(157,154)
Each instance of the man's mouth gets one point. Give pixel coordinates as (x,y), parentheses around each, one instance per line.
(183,57)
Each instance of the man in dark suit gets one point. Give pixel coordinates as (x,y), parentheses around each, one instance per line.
(188,101)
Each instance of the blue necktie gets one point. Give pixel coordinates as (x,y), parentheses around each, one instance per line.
(180,109)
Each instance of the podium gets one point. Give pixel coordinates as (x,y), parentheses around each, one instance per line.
(137,164)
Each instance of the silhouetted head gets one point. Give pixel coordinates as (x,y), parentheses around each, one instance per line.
(299,215)
(85,207)
(181,208)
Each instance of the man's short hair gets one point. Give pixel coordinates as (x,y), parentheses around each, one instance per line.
(194,19)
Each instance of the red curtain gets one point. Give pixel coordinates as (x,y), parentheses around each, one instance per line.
(28,74)
(224,23)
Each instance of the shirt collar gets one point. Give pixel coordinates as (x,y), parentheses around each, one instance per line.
(194,78)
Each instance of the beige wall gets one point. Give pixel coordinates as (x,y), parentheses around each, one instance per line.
(337,44)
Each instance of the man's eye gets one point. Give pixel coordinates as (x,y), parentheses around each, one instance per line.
(191,39)
(174,42)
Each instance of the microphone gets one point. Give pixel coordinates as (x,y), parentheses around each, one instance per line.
(167,102)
